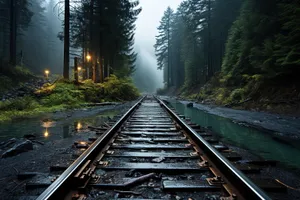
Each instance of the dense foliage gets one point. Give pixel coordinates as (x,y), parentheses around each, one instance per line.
(235,51)
(193,45)
(65,94)
(105,31)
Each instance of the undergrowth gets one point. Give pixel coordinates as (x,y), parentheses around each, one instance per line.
(65,95)
(254,92)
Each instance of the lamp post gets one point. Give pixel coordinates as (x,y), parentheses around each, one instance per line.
(79,70)
(89,58)
(47,72)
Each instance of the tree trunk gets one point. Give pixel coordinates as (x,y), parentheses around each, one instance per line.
(106,64)
(13,33)
(84,54)
(209,63)
(76,75)
(93,56)
(67,40)
(169,68)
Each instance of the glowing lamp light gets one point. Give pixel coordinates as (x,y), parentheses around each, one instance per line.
(47,72)
(46,133)
(79,68)
(88,57)
(79,126)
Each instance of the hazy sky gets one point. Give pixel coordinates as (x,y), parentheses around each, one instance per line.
(146,30)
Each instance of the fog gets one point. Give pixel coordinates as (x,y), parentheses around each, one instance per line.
(147,77)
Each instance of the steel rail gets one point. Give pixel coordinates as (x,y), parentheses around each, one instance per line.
(244,185)
(64,182)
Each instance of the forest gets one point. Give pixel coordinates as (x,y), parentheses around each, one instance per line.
(236,53)
(242,53)
(61,54)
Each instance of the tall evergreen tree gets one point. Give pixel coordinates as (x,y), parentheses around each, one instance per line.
(163,45)
(110,35)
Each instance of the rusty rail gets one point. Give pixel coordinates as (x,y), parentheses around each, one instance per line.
(245,188)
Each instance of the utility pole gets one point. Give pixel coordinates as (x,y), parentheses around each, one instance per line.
(67,40)
(13,33)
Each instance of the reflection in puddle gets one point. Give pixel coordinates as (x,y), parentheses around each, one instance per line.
(46,133)
(78,126)
(48,123)
(49,129)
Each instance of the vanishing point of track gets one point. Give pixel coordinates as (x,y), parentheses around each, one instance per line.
(151,152)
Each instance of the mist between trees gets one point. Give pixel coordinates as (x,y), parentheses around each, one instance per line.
(237,49)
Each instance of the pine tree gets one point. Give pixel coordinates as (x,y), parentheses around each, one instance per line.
(110,35)
(163,45)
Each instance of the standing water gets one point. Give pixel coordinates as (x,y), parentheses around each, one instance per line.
(47,128)
(257,142)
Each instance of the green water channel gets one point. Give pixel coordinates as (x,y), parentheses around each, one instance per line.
(257,142)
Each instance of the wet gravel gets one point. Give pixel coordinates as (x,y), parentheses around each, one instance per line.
(58,152)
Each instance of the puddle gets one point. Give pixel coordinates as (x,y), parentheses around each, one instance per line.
(48,129)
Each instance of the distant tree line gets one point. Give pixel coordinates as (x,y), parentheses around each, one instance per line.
(238,42)
(35,45)
(104,30)
(101,35)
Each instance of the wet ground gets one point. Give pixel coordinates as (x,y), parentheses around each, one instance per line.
(58,131)
(58,125)
(268,145)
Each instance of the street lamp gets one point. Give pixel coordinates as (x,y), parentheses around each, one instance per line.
(79,69)
(88,57)
(47,72)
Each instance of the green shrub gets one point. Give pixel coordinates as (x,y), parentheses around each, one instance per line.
(92,92)
(20,71)
(21,103)
(237,95)
(119,89)
(60,98)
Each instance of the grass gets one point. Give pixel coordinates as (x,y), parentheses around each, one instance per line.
(64,95)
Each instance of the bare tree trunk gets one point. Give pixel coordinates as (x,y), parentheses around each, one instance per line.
(76,75)
(106,66)
(101,57)
(169,66)
(209,57)
(67,40)
(100,72)
(13,33)
(93,55)
(84,54)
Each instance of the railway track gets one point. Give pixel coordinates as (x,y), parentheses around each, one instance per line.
(153,153)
